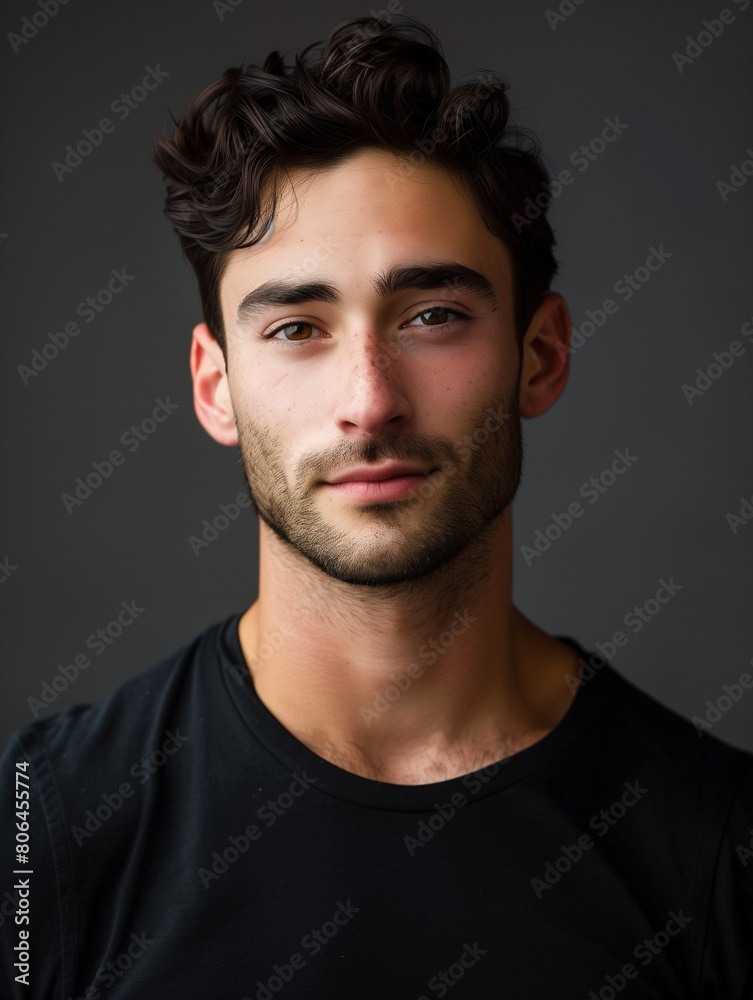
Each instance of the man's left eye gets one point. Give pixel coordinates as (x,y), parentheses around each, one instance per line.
(442,311)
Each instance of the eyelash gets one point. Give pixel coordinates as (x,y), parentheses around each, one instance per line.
(292,343)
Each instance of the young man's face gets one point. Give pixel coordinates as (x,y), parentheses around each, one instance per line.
(376,377)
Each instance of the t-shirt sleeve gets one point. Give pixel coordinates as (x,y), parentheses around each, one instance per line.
(31,915)
(727,954)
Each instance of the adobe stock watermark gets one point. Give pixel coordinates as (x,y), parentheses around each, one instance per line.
(601,823)
(8,907)
(98,642)
(565,10)
(131,439)
(6,568)
(625,287)
(464,448)
(711,30)
(122,106)
(88,309)
(426,829)
(394,350)
(300,271)
(645,953)
(440,983)
(271,642)
(732,693)
(591,490)
(143,769)
(582,158)
(427,144)
(238,844)
(109,973)
(735,521)
(738,176)
(444,812)
(430,651)
(743,851)
(723,361)
(383,18)
(224,7)
(385,15)
(31,26)
(312,943)
(229,512)
(636,620)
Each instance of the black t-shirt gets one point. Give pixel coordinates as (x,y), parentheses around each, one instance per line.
(184,844)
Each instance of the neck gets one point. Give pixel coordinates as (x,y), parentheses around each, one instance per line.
(425,680)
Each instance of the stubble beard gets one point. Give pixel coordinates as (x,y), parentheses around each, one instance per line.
(441,528)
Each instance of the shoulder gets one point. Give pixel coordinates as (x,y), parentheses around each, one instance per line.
(88,741)
(680,754)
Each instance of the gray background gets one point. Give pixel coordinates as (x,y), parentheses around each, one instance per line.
(654,186)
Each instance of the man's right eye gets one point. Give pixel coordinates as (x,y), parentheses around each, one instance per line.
(299,336)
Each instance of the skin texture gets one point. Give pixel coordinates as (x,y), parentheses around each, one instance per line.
(351,593)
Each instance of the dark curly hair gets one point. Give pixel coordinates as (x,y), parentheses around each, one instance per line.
(375,85)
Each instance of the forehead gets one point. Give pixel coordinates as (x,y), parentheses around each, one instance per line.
(361,216)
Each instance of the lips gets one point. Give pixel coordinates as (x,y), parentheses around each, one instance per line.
(389,481)
(377,473)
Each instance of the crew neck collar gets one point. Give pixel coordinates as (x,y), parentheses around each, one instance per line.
(343,784)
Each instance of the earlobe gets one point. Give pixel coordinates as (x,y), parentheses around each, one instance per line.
(545,363)
(211,394)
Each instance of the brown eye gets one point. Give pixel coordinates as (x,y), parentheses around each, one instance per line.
(444,313)
(435,309)
(299,334)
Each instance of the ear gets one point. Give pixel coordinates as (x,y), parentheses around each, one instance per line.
(211,395)
(545,362)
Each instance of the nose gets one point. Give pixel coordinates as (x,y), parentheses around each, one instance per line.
(368,385)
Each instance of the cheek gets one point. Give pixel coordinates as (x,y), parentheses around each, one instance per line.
(457,381)
(281,408)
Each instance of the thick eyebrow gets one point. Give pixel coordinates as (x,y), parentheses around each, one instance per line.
(400,278)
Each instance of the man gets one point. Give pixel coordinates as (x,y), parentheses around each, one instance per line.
(381,779)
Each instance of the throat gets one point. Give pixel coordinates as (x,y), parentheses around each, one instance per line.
(403,766)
